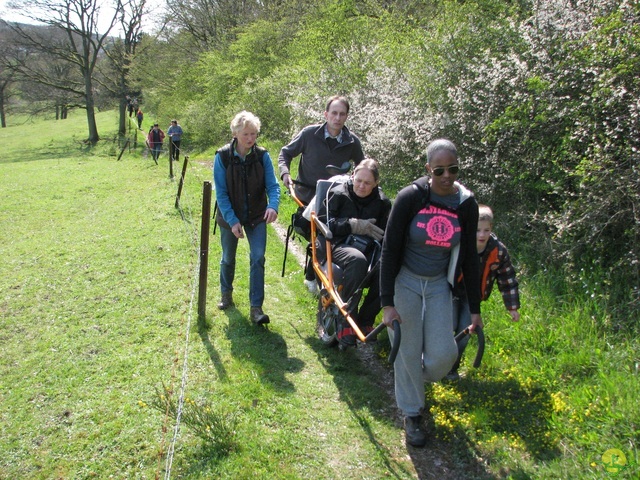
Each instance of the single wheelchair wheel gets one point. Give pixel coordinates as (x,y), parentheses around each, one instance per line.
(327,326)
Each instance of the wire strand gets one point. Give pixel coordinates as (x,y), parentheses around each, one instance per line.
(187,215)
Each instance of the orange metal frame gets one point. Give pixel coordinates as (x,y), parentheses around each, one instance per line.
(327,279)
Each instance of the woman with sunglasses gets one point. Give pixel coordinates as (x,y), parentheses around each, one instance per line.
(429,242)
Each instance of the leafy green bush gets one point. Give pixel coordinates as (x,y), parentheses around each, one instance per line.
(540,98)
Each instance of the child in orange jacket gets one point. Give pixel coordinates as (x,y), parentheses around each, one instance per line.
(495,264)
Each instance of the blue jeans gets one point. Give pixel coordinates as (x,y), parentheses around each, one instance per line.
(156,150)
(257,238)
(174,149)
(427,349)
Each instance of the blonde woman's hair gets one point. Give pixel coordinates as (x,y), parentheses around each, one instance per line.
(242,120)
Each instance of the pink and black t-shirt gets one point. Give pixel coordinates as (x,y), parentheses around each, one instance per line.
(417,241)
(433,232)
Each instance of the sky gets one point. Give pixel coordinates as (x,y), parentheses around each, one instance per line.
(106,14)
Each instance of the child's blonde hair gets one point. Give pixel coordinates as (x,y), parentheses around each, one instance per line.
(485,214)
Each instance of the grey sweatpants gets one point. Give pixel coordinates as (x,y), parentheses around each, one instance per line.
(427,347)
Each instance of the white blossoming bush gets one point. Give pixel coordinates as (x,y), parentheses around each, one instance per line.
(544,110)
(576,142)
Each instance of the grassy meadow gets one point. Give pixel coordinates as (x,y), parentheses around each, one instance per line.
(101,346)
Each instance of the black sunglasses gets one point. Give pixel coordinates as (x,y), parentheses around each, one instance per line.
(453,170)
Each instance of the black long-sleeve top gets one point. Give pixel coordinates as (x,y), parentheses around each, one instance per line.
(463,261)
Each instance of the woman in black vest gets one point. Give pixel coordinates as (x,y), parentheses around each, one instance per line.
(248,197)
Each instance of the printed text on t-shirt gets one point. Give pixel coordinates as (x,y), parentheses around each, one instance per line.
(440,226)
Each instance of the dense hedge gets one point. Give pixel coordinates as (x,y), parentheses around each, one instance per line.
(542,99)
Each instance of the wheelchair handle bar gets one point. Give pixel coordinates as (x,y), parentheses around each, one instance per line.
(480,353)
(292,192)
(396,338)
(324,228)
(341,170)
(333,171)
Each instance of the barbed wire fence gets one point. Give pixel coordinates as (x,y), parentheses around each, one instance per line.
(191,208)
(194,211)
(191,197)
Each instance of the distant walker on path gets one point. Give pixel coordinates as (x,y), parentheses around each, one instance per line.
(155,139)
(175,135)
(140,117)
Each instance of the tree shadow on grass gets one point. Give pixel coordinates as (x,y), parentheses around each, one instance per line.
(362,389)
(51,151)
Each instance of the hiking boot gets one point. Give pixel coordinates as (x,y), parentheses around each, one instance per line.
(346,334)
(226,301)
(452,376)
(258,317)
(415,435)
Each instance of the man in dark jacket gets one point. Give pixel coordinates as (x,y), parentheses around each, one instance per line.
(319,145)
(330,143)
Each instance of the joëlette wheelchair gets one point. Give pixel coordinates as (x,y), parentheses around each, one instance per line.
(333,310)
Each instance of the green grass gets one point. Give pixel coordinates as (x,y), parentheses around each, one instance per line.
(98,311)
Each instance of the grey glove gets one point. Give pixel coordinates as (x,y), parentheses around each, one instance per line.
(366,227)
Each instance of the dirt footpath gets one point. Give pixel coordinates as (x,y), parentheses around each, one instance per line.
(435,461)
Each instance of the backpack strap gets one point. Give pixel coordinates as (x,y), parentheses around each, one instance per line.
(422,194)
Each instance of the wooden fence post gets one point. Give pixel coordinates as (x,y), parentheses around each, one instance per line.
(126,144)
(204,249)
(181,183)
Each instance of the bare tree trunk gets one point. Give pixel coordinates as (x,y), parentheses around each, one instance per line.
(77,21)
(122,125)
(131,24)
(91,111)
(3,118)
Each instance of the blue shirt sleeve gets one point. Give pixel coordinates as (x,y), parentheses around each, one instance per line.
(271,183)
(222,192)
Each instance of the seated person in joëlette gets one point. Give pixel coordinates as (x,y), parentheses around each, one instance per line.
(356,208)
